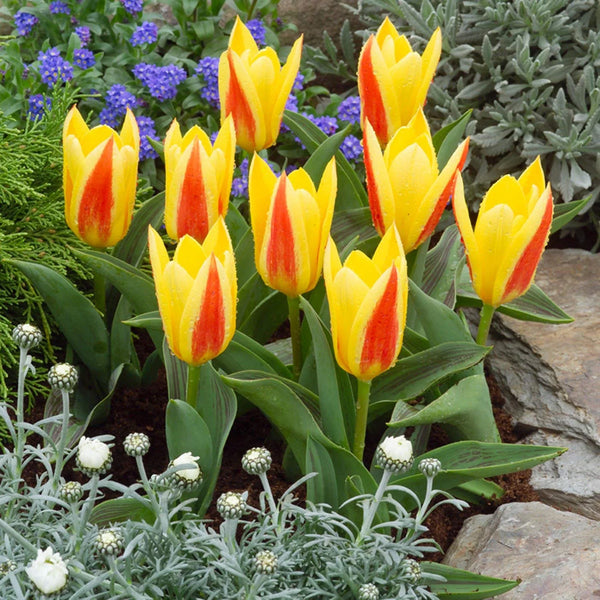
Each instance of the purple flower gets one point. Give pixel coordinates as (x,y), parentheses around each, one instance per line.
(147,130)
(38,105)
(257,29)
(53,67)
(208,69)
(83,58)
(161,82)
(84,34)
(349,109)
(292,103)
(118,100)
(59,7)
(239,185)
(25,22)
(328,125)
(146,33)
(133,7)
(298,82)
(351,148)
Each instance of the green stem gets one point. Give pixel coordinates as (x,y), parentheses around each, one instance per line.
(485,321)
(362,412)
(193,381)
(294,312)
(251,9)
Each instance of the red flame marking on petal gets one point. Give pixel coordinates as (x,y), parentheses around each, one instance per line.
(237,105)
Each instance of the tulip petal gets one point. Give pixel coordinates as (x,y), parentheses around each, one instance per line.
(389,250)
(190,255)
(429,62)
(241,39)
(463,221)
(261,185)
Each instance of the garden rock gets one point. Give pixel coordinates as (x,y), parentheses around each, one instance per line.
(555,554)
(550,377)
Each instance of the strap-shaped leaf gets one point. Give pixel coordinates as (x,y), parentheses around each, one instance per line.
(348,225)
(447,139)
(315,165)
(563,213)
(121,509)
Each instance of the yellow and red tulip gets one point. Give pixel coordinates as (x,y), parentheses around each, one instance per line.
(404,184)
(253,87)
(512,228)
(290,220)
(393,79)
(367,303)
(99,178)
(196,292)
(198,179)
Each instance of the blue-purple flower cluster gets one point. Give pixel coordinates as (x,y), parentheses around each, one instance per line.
(25,22)
(161,82)
(58,7)
(146,33)
(239,185)
(83,58)
(147,130)
(298,82)
(258,31)
(133,7)
(118,100)
(53,67)
(351,148)
(349,109)
(208,68)
(328,125)
(84,35)
(38,105)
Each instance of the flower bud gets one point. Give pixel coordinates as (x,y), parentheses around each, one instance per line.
(186,478)
(63,376)
(93,456)
(265,561)
(231,505)
(7,566)
(48,571)
(136,444)
(395,454)
(256,461)
(109,542)
(27,336)
(412,570)
(71,491)
(430,467)
(368,591)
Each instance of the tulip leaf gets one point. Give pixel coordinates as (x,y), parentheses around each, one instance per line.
(350,188)
(465,409)
(564,213)
(412,376)
(132,248)
(74,314)
(315,165)
(177,373)
(350,224)
(122,350)
(463,585)
(478,491)
(149,320)
(334,406)
(447,139)
(284,409)
(118,510)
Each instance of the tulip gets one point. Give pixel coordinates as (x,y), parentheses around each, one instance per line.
(198,179)
(254,88)
(510,234)
(290,221)
(404,184)
(367,303)
(196,293)
(393,79)
(99,177)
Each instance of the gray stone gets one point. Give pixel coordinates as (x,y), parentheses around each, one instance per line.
(555,554)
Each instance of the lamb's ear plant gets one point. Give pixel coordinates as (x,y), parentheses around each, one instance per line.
(58,541)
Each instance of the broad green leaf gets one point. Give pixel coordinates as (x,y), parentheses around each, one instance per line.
(315,165)
(463,585)
(350,224)
(74,314)
(149,320)
(118,510)
(563,213)
(447,139)
(478,491)
(176,371)
(121,346)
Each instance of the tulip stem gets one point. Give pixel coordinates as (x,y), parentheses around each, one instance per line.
(193,381)
(294,315)
(485,321)
(251,10)
(362,412)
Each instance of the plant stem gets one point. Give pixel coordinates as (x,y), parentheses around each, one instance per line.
(62,443)
(294,315)
(362,412)
(251,9)
(485,321)
(371,511)
(193,380)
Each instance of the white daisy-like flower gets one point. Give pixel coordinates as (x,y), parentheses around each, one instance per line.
(48,571)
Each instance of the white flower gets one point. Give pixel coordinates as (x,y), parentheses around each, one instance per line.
(93,455)
(395,454)
(191,474)
(48,571)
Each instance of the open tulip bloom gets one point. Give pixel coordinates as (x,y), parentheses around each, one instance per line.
(367,304)
(254,87)
(198,179)
(197,294)
(504,248)
(99,177)
(393,80)
(404,184)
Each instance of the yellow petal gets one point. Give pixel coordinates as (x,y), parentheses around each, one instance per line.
(190,255)
(261,185)
(241,39)
(389,250)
